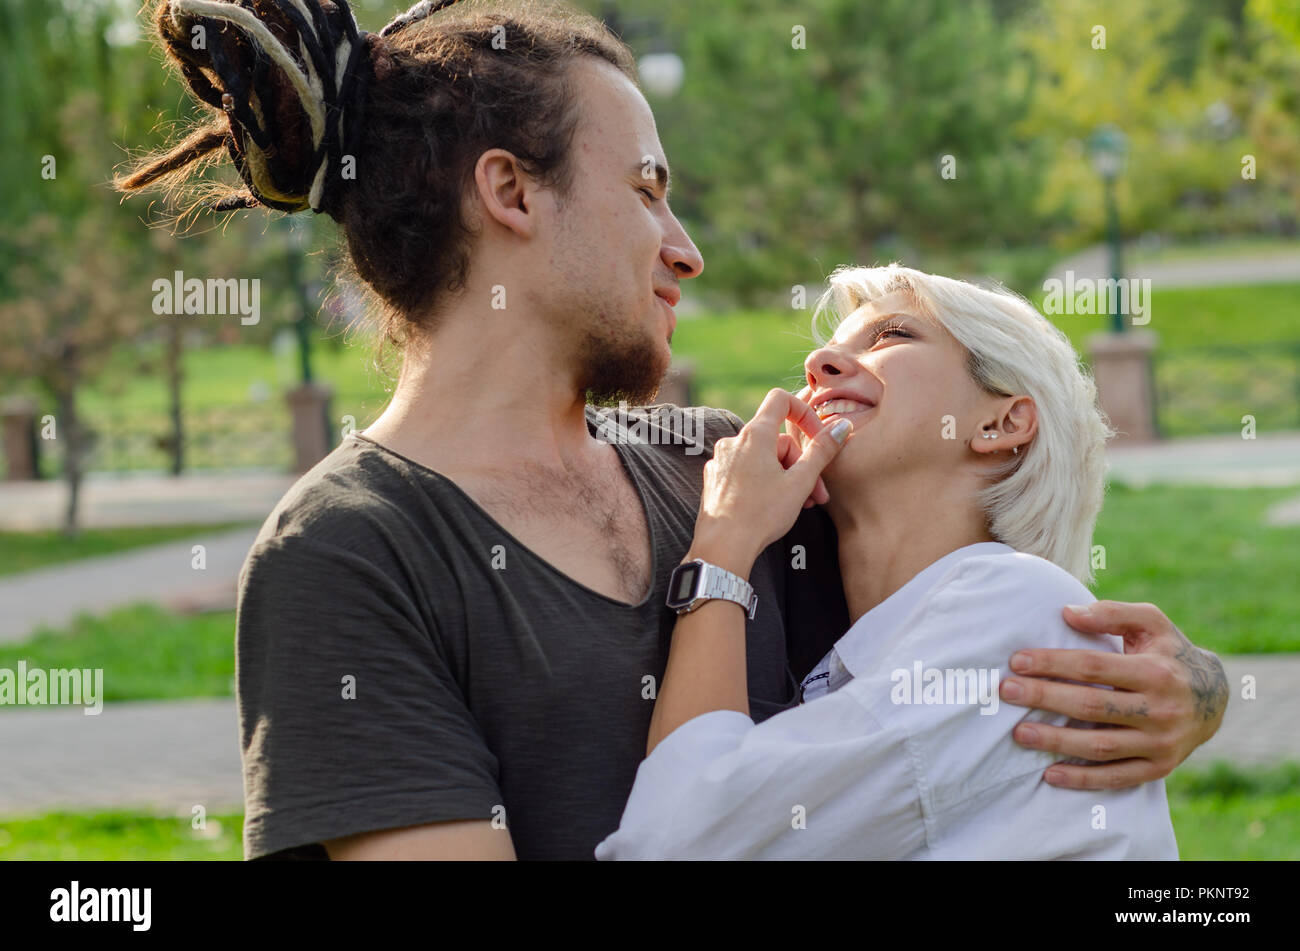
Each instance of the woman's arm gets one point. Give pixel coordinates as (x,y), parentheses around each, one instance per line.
(754,487)
(706,661)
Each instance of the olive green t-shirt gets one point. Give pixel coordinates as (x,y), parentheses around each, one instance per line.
(402,659)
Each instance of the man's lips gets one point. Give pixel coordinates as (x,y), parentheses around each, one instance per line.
(672,314)
(670,295)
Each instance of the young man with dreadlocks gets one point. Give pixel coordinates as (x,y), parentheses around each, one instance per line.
(450,630)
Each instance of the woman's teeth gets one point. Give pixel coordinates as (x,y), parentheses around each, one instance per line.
(832,407)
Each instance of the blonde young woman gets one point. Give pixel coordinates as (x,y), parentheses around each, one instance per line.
(964,465)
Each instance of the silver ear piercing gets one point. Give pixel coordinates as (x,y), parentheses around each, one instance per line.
(989,435)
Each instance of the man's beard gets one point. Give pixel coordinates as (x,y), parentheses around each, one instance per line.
(626,369)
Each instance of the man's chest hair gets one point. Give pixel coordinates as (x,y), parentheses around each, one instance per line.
(600,505)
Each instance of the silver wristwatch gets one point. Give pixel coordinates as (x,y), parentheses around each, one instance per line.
(695,582)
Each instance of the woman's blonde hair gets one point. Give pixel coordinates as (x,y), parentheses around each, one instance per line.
(1045,501)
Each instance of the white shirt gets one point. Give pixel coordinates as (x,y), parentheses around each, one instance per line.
(909,755)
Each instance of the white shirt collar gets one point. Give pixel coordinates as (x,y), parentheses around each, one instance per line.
(863,646)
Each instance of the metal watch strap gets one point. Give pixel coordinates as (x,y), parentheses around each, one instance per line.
(720,584)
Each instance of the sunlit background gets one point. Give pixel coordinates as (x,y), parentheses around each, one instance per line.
(1011,140)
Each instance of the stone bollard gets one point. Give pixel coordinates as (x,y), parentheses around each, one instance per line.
(678,386)
(312,432)
(18,422)
(1121,367)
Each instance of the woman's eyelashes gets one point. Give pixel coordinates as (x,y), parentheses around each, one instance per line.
(896,329)
(649,194)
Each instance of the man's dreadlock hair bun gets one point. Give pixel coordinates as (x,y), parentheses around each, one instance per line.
(287,78)
(379,131)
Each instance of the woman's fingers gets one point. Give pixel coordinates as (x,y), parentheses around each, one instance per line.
(781,406)
(788,451)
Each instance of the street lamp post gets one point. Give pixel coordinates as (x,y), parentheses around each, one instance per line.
(309,401)
(1108,147)
(295,245)
(1121,359)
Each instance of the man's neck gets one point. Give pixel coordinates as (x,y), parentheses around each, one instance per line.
(481,392)
(890,537)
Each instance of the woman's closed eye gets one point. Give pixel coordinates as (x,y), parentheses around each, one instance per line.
(891,329)
(649,194)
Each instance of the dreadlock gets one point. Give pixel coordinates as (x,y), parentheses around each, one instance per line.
(380,131)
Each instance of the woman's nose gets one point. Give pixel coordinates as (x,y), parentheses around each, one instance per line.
(824,363)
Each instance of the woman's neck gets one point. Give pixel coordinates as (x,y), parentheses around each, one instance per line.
(884,546)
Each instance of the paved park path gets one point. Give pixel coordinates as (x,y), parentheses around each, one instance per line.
(158,574)
(169,756)
(1267,266)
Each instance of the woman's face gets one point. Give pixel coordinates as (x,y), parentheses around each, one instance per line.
(902,380)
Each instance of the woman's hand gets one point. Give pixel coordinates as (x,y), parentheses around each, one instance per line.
(758,480)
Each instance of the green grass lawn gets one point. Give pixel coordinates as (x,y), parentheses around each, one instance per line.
(738,355)
(1206,558)
(1208,317)
(1219,813)
(24,551)
(146,653)
(1234,813)
(116,836)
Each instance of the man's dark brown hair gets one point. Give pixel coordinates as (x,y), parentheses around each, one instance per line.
(379,131)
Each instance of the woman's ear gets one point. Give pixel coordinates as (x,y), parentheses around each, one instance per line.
(1013,425)
(1019,421)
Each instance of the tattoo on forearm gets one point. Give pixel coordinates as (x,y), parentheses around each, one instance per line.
(1208,681)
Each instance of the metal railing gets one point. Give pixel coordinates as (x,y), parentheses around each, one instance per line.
(1205,390)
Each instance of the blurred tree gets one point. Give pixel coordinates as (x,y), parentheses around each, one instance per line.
(68,307)
(1186,96)
(830,132)
(55,175)
(1284,15)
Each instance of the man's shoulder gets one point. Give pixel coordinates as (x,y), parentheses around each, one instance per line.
(352,493)
(696,428)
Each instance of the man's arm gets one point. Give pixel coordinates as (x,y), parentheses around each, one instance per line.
(470,840)
(1170,698)
(352,720)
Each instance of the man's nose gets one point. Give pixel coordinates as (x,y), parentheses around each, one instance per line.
(679,252)
(824,363)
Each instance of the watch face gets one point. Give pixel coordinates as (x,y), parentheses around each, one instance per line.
(681,588)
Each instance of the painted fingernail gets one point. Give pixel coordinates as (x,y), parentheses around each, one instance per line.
(841,429)
(1020,662)
(1084,609)
(1011,690)
(1026,735)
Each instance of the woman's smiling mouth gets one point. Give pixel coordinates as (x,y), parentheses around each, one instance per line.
(840,406)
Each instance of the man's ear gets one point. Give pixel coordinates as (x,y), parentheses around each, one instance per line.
(504,191)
